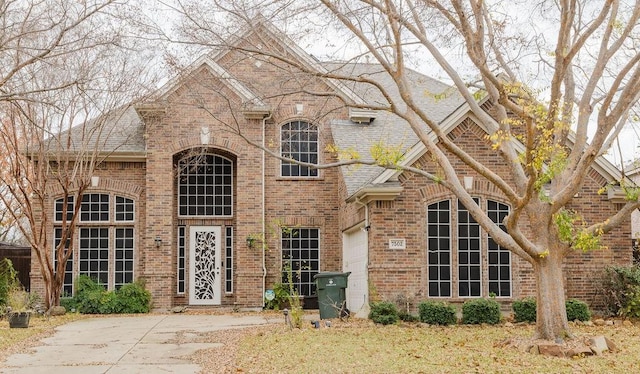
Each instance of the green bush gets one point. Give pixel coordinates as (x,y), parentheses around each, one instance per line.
(524,310)
(8,280)
(133,298)
(281,293)
(384,313)
(632,309)
(437,313)
(481,311)
(407,317)
(93,298)
(577,310)
(618,287)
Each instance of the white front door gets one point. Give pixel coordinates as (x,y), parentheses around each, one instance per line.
(205,255)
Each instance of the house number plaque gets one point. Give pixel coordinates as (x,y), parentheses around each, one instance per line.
(397,244)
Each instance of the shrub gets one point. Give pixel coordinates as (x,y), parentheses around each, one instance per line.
(8,280)
(92,298)
(281,296)
(133,298)
(481,311)
(407,317)
(577,310)
(437,313)
(618,286)
(524,310)
(632,309)
(384,313)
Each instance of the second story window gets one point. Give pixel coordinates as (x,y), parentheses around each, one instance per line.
(205,186)
(299,141)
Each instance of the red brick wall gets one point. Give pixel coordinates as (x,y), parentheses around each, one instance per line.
(397,274)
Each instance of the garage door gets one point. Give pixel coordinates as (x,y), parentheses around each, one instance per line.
(355,259)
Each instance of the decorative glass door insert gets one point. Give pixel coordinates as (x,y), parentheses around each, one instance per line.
(204,265)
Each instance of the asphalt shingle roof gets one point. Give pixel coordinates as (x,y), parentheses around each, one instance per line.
(120,131)
(436,98)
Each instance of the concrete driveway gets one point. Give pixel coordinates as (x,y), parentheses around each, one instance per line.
(140,344)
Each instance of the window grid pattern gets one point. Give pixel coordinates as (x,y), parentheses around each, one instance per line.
(94,208)
(181,259)
(124,209)
(499,263)
(439,250)
(205,186)
(228,260)
(124,251)
(67,283)
(469,266)
(301,251)
(94,254)
(299,141)
(58,207)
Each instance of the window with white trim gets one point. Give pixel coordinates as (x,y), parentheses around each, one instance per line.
(228,260)
(94,207)
(473,271)
(205,186)
(469,267)
(182,259)
(299,141)
(67,283)
(105,249)
(301,252)
(499,258)
(439,249)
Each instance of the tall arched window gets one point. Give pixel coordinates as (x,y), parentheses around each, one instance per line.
(299,141)
(205,186)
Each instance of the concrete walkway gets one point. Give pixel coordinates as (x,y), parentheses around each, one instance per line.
(140,344)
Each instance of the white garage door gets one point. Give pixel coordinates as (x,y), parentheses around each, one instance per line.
(354,259)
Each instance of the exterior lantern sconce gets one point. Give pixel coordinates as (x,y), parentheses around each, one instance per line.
(158,241)
(250,241)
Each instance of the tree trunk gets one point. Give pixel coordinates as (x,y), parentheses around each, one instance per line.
(551,313)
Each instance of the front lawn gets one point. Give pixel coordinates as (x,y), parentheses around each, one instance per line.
(362,347)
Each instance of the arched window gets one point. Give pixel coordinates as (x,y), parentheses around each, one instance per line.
(299,141)
(205,186)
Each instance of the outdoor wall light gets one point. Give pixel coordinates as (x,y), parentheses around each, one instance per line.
(250,241)
(158,241)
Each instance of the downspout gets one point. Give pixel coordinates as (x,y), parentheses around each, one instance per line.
(264,211)
(366,217)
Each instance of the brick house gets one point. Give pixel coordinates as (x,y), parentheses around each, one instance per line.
(184,200)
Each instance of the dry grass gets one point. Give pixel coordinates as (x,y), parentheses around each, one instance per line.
(362,347)
(18,340)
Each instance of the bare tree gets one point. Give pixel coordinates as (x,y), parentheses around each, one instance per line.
(67,79)
(561,83)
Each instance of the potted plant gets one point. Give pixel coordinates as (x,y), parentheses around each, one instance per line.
(18,308)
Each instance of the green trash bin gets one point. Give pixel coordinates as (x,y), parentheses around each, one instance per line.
(331,293)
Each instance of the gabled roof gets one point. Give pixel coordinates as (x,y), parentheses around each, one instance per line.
(246,95)
(442,102)
(436,98)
